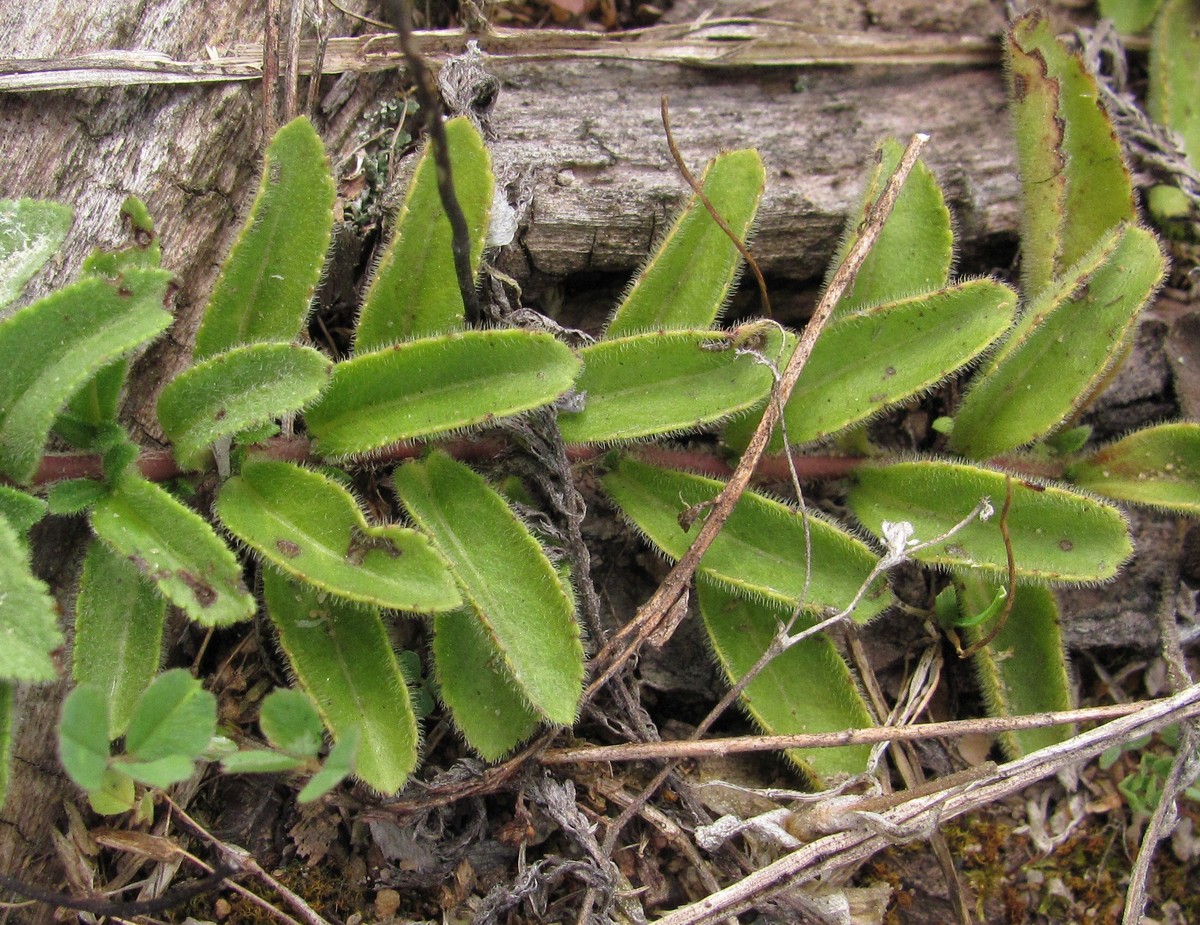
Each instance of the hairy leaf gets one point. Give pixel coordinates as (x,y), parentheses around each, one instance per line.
(1159,466)
(176,549)
(664,382)
(516,594)
(477,686)
(1076,185)
(805,689)
(75,496)
(1058,536)
(1061,348)
(435,385)
(21,510)
(50,349)
(290,722)
(175,718)
(415,291)
(311,527)
(236,390)
(267,281)
(83,736)
(29,631)
(868,361)
(1174,89)
(339,764)
(343,659)
(914,251)
(760,552)
(118,632)
(30,232)
(1023,670)
(686,282)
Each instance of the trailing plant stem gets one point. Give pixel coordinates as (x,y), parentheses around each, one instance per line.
(673,588)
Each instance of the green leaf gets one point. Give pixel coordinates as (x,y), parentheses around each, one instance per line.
(1062,347)
(477,686)
(160,773)
(866,362)
(50,349)
(29,631)
(343,659)
(1058,536)
(1130,16)
(506,579)
(116,794)
(83,737)
(268,279)
(118,632)
(236,390)
(291,723)
(1173,91)
(915,248)
(687,281)
(75,496)
(261,761)
(415,289)
(760,552)
(175,718)
(339,765)
(805,689)
(1075,182)
(6,737)
(664,382)
(435,385)
(1159,466)
(311,527)
(176,549)
(21,510)
(30,232)
(1023,670)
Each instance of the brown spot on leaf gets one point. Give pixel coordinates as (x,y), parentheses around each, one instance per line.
(1020,88)
(1066,545)
(143,238)
(205,593)
(288,548)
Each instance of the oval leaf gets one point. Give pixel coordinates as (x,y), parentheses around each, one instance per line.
(507,580)
(30,232)
(687,281)
(1159,466)
(267,281)
(1023,670)
(175,718)
(664,382)
(176,549)
(83,737)
(1057,535)
(477,687)
(1075,182)
(311,527)
(415,289)
(435,385)
(291,723)
(868,361)
(915,248)
(50,349)
(118,632)
(21,510)
(760,552)
(236,390)
(29,631)
(343,659)
(805,689)
(1063,346)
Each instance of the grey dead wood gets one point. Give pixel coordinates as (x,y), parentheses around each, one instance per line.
(582,135)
